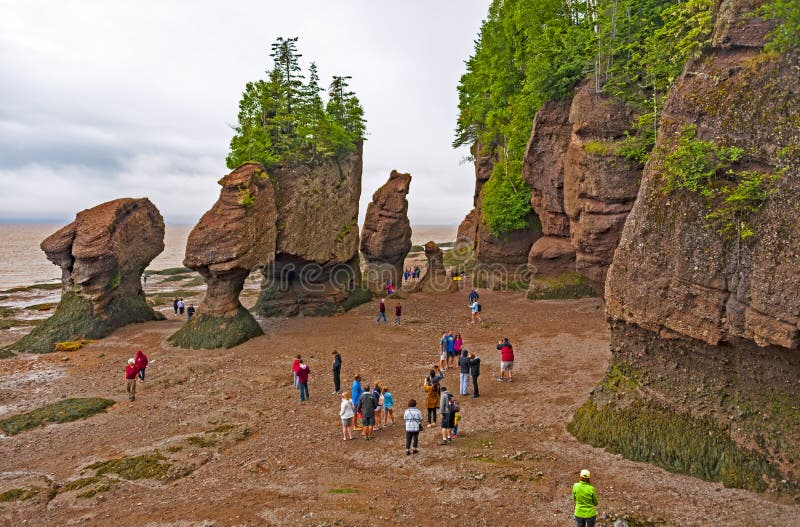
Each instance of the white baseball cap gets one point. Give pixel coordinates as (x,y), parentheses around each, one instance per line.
(131,361)
(585,474)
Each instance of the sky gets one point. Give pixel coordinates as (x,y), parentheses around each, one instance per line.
(101,100)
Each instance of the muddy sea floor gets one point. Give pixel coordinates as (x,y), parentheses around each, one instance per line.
(223,439)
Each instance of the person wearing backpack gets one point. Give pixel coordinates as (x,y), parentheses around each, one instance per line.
(473,296)
(446,409)
(475,308)
(506,359)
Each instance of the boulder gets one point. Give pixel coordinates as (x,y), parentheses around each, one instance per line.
(386,234)
(435,279)
(551,256)
(102,255)
(705,321)
(316,265)
(235,236)
(600,187)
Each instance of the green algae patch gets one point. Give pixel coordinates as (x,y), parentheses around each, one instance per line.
(207,332)
(171,271)
(62,411)
(74,320)
(147,466)
(358,296)
(344,490)
(19,494)
(617,419)
(565,286)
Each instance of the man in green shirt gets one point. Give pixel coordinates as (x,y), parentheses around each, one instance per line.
(585,499)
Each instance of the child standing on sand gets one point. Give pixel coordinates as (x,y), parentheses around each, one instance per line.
(456,418)
(388,406)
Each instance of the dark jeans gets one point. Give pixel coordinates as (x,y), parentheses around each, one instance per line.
(432,415)
(475,385)
(412,436)
(303,390)
(141,373)
(336,380)
(585,522)
(381,315)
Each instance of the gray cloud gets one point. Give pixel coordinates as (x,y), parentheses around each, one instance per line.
(100,100)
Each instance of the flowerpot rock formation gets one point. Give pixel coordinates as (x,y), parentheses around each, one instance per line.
(102,255)
(386,234)
(237,235)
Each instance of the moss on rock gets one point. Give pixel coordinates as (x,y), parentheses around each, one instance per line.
(207,332)
(147,466)
(63,411)
(75,320)
(567,285)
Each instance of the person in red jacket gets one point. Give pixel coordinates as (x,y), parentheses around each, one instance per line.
(302,379)
(130,378)
(506,359)
(141,363)
(295,366)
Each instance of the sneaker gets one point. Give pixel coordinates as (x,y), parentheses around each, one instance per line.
(408,452)
(415,451)
(500,379)
(510,380)
(444,442)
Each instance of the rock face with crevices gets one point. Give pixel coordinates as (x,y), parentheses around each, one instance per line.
(435,279)
(705,322)
(102,255)
(237,235)
(316,263)
(386,234)
(600,187)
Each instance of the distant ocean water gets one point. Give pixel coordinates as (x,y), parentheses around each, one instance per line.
(22,262)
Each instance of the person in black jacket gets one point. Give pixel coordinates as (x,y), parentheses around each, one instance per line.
(337,368)
(463,366)
(475,370)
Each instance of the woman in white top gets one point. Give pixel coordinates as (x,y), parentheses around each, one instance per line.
(346,412)
(413,419)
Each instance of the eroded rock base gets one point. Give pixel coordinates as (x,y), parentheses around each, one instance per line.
(728,413)
(210,332)
(74,319)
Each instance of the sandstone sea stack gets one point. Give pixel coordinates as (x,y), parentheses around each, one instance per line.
(235,236)
(386,234)
(704,297)
(102,255)
(435,279)
(316,265)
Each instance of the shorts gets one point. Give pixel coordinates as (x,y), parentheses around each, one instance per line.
(506,365)
(448,420)
(444,355)
(379,408)
(368,420)
(451,353)
(347,422)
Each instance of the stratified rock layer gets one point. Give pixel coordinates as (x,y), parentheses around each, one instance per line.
(235,236)
(316,265)
(102,255)
(705,324)
(600,187)
(386,234)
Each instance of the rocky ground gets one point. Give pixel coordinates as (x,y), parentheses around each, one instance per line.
(224,439)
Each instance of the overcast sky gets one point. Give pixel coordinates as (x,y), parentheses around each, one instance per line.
(100,99)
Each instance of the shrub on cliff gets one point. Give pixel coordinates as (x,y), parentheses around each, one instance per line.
(283,120)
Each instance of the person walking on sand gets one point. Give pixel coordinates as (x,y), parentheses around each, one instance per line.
(388,406)
(302,380)
(381,311)
(366,407)
(463,366)
(451,350)
(474,309)
(433,392)
(181,306)
(473,296)
(398,311)
(141,363)
(337,370)
(190,312)
(585,498)
(474,371)
(413,420)
(506,359)
(175,305)
(446,409)
(130,378)
(346,414)
(295,366)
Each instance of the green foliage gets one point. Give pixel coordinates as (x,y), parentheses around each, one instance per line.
(786,35)
(706,169)
(147,466)
(567,285)
(506,202)
(19,494)
(283,120)
(207,332)
(245,198)
(63,411)
(601,148)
